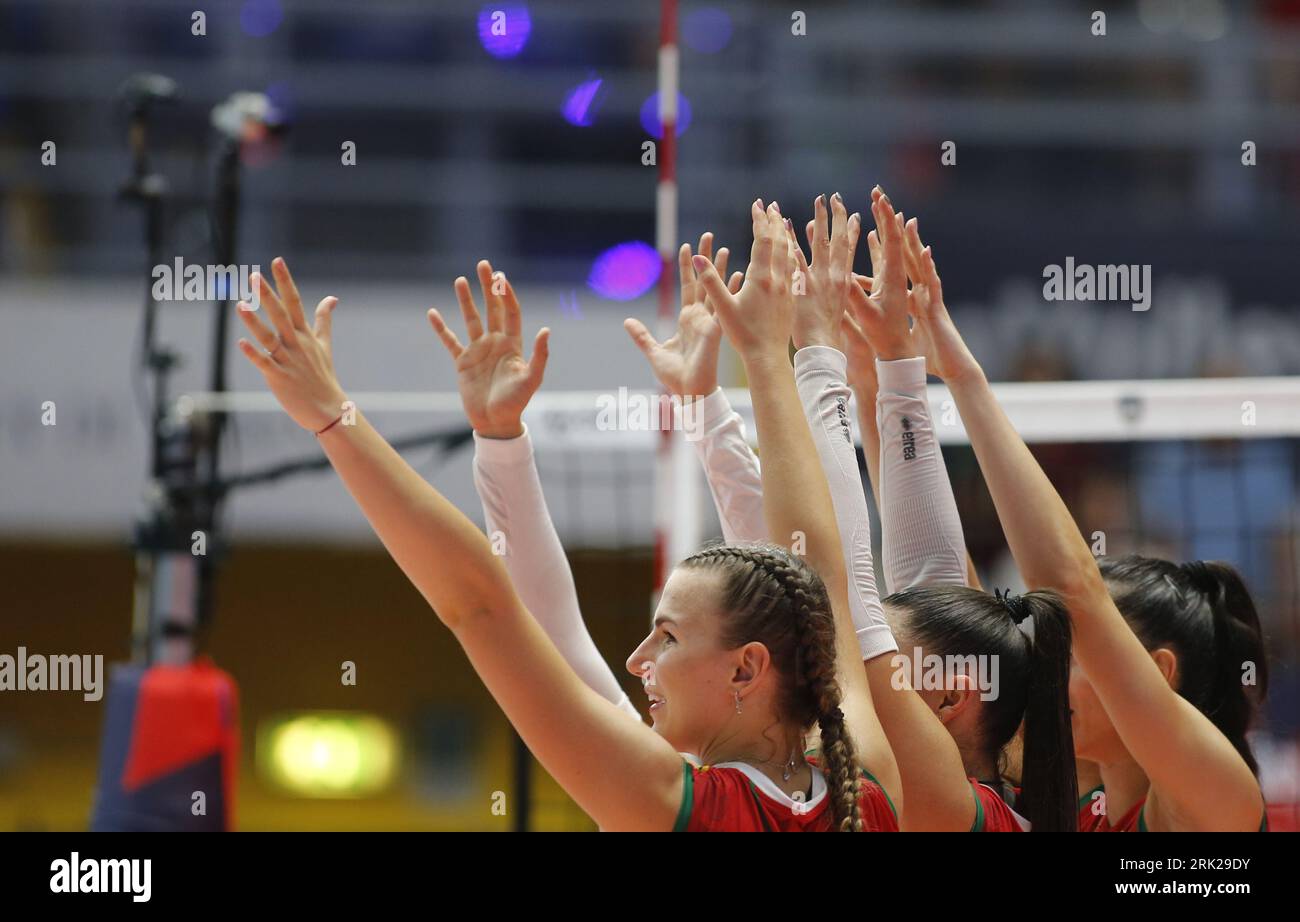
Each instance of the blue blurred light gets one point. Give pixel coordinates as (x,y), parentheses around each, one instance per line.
(569,306)
(650,115)
(280,94)
(503,29)
(577,109)
(259,18)
(707,30)
(626,271)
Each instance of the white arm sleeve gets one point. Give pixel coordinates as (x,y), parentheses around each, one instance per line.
(923,541)
(731,468)
(519,523)
(820,373)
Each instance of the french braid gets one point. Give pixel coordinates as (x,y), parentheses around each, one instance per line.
(772,597)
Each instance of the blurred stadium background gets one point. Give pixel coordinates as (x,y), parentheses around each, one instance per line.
(1125,148)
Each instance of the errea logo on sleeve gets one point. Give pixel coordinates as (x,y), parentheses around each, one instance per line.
(103,875)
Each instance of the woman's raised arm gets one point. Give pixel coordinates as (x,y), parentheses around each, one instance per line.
(796,500)
(1183,754)
(620,772)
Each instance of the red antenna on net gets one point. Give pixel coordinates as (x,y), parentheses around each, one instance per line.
(676,507)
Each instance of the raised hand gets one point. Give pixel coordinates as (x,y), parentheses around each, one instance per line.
(881,311)
(820,306)
(757,318)
(686,364)
(298,365)
(494,379)
(935,334)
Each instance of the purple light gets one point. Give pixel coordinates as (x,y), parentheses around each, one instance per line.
(280,94)
(650,115)
(503,29)
(625,272)
(259,18)
(707,30)
(577,105)
(569,306)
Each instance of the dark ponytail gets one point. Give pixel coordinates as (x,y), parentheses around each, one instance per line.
(1204,613)
(1033,676)
(1049,783)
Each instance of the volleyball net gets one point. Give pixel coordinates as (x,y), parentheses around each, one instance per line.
(1182,469)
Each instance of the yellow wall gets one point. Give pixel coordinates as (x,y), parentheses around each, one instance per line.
(286,619)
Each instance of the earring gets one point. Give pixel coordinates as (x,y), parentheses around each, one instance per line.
(737,694)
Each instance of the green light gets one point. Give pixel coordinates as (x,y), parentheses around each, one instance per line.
(328,754)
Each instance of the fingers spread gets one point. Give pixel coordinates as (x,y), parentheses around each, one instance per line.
(473,326)
(323,327)
(640,335)
(279,316)
(717,293)
(687,273)
(292,300)
(514,323)
(445,333)
(735,282)
(263,362)
(261,332)
(493,288)
(720,263)
(541,351)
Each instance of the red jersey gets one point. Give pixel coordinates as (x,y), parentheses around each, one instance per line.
(1132,821)
(992,813)
(736,797)
(1093,818)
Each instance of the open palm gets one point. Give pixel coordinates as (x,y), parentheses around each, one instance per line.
(832,241)
(495,380)
(875,315)
(757,317)
(881,310)
(686,363)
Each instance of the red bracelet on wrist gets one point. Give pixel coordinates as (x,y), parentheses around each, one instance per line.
(330,426)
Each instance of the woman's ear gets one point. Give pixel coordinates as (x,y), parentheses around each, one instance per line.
(957,698)
(752,660)
(1167,661)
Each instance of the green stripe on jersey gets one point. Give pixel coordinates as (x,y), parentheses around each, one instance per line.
(688,798)
(1086,799)
(978,825)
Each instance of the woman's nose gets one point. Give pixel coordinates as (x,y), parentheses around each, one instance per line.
(638,662)
(640,665)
